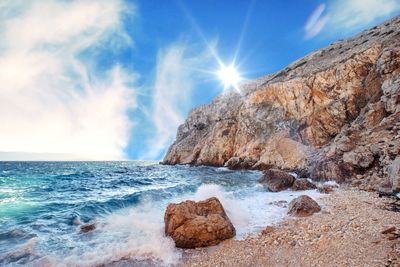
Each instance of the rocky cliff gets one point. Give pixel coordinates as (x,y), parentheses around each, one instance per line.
(333,114)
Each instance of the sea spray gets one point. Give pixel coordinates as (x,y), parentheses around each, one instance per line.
(22,253)
(137,233)
(233,206)
(127,201)
(331,183)
(263,209)
(250,210)
(134,234)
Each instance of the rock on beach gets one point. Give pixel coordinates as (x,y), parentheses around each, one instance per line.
(198,224)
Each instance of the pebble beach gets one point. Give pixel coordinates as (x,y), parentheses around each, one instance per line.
(354,228)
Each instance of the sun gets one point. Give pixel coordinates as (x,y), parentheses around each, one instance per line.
(229,76)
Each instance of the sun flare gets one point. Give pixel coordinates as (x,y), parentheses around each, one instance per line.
(229,76)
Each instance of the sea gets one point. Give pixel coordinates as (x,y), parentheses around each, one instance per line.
(43,206)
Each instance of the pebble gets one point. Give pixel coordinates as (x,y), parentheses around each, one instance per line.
(349,235)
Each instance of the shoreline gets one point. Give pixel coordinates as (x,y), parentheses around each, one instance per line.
(347,232)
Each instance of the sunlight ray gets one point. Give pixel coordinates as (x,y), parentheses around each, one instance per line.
(199,31)
(244,29)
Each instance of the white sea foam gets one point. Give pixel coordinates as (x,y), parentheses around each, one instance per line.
(264,212)
(236,212)
(251,212)
(331,183)
(138,232)
(223,169)
(28,248)
(133,234)
(77,221)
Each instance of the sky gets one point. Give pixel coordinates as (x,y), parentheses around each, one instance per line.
(112,80)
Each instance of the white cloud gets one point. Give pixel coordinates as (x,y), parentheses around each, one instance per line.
(315,22)
(348,16)
(354,14)
(50,99)
(177,73)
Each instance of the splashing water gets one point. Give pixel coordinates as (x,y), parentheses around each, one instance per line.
(44,204)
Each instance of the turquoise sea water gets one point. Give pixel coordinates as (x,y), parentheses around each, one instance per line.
(44,204)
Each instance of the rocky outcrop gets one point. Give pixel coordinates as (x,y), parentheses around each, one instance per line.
(276,180)
(303,206)
(240,163)
(303,184)
(334,115)
(197,224)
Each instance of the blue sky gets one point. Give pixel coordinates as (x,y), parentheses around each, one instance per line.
(114,79)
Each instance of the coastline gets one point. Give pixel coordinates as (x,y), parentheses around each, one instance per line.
(347,232)
(330,115)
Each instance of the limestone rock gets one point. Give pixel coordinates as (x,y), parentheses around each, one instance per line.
(331,169)
(391,96)
(361,157)
(240,163)
(233,163)
(303,184)
(197,224)
(345,144)
(333,114)
(276,180)
(303,206)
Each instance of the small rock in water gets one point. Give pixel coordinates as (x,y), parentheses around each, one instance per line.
(276,180)
(303,184)
(303,206)
(88,227)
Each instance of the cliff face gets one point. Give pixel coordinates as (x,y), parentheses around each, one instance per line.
(334,114)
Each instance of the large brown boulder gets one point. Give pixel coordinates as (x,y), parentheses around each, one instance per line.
(276,180)
(303,206)
(303,184)
(197,224)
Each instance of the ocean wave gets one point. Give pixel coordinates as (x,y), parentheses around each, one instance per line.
(126,202)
